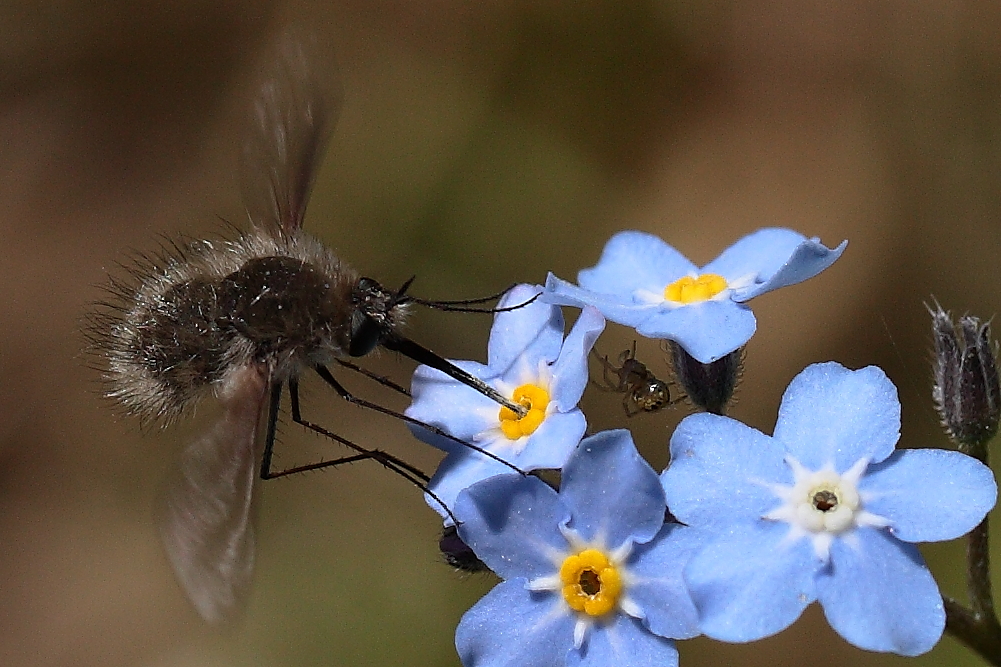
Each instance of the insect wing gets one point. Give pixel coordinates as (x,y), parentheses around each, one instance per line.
(207,525)
(291,120)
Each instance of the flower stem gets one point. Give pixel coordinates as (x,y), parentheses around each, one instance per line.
(978,626)
(981,634)
(978,563)
(967,393)
(978,553)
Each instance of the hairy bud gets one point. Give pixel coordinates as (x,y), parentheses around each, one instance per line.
(458,554)
(709,386)
(966,390)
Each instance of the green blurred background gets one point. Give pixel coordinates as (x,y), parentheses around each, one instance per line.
(480,143)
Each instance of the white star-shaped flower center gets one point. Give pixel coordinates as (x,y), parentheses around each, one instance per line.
(823,504)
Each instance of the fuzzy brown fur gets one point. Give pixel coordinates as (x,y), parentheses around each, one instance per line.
(191,315)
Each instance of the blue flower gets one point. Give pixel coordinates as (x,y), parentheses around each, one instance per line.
(528,362)
(642,282)
(823,510)
(592,575)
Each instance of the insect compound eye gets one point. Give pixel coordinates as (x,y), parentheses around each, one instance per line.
(365,287)
(372,319)
(366,333)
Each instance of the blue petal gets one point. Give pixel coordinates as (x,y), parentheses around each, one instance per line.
(929,494)
(552,443)
(570,370)
(830,414)
(635,261)
(810,258)
(535,330)
(707,330)
(617,308)
(775,257)
(549,448)
(880,596)
(761,254)
(450,405)
(659,588)
(624,642)
(749,583)
(435,440)
(513,627)
(512,523)
(456,473)
(613,493)
(719,468)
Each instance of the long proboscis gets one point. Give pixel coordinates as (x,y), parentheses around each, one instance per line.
(422,355)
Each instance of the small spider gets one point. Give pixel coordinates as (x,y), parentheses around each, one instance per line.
(644,391)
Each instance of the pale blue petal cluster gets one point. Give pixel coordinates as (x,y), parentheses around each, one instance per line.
(770,503)
(824,510)
(522,529)
(526,346)
(627,286)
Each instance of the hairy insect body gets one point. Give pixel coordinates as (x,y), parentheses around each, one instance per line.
(284,303)
(243,319)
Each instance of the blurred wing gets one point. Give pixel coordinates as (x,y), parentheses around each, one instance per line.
(207,525)
(290,122)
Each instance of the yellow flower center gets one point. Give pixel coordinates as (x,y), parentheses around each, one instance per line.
(590,583)
(535,399)
(693,290)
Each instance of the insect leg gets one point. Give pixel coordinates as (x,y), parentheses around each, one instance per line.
(384,381)
(409,472)
(324,373)
(627,405)
(269,439)
(606,366)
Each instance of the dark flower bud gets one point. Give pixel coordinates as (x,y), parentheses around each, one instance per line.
(709,386)
(458,554)
(966,378)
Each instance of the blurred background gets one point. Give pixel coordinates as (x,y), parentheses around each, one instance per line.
(480,143)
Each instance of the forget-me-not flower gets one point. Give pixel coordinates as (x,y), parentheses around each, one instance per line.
(642,282)
(824,510)
(592,575)
(530,363)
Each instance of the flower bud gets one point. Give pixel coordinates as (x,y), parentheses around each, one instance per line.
(709,386)
(966,390)
(458,554)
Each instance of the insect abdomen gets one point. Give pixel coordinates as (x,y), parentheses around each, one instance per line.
(174,341)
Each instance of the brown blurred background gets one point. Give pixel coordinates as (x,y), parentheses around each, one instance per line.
(480,143)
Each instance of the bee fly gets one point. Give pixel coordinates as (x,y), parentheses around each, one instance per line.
(644,391)
(242,319)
